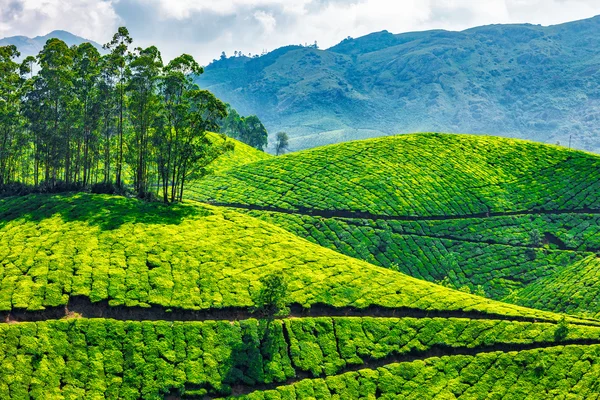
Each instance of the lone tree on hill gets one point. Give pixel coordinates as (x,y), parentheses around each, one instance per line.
(535,238)
(271,299)
(282,143)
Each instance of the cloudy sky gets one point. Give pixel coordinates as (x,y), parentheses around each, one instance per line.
(204,28)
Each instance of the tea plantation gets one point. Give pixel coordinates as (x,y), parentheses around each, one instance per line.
(108,297)
(189,256)
(99,358)
(421,175)
(489,215)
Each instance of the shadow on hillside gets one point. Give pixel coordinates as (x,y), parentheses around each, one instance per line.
(260,358)
(104,211)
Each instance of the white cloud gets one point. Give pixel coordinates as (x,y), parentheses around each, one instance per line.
(206,27)
(267,20)
(87,18)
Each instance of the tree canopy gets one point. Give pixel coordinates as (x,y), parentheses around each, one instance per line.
(249,130)
(110,122)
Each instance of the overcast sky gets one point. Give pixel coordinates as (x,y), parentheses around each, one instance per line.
(204,28)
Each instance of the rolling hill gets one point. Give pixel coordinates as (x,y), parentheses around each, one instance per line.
(503,217)
(115,298)
(525,81)
(111,297)
(242,154)
(125,252)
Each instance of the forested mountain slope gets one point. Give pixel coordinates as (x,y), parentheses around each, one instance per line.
(526,81)
(503,217)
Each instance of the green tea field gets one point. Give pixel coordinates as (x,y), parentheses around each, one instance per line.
(482,214)
(407,274)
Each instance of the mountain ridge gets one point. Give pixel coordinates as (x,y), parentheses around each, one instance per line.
(31,46)
(518,80)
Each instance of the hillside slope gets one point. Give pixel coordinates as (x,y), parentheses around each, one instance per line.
(498,216)
(55,250)
(108,297)
(242,154)
(526,81)
(421,175)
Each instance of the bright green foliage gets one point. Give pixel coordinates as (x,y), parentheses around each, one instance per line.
(272,297)
(189,256)
(249,130)
(564,372)
(114,359)
(241,154)
(493,252)
(551,196)
(572,289)
(417,175)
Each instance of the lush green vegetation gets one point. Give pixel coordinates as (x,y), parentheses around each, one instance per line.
(495,253)
(98,358)
(569,372)
(496,217)
(248,130)
(572,289)
(86,120)
(417,175)
(528,236)
(529,81)
(189,256)
(240,155)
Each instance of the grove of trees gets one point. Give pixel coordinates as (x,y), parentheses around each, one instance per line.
(72,118)
(248,129)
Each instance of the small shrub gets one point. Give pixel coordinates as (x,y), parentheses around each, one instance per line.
(562,330)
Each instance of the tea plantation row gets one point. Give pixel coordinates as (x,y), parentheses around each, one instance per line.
(574,290)
(416,175)
(189,257)
(562,372)
(498,254)
(96,358)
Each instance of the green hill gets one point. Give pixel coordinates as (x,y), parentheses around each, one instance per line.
(520,80)
(480,213)
(419,175)
(109,297)
(191,257)
(242,154)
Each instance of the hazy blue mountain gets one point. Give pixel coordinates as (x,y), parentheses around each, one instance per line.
(528,81)
(32,46)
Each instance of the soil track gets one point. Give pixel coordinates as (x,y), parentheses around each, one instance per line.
(84,307)
(366,215)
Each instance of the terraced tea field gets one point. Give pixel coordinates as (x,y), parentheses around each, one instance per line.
(192,257)
(488,215)
(106,297)
(416,176)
